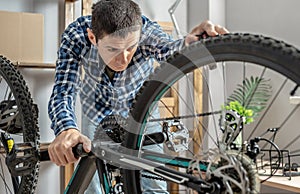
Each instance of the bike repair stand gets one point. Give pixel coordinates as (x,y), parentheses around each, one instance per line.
(171,12)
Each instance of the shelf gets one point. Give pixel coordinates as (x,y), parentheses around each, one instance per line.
(35,65)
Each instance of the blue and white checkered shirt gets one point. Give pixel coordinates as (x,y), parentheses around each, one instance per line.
(80,69)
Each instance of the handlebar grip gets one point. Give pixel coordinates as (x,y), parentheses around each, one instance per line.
(203,35)
(78,151)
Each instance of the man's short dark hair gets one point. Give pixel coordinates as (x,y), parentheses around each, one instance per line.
(115,16)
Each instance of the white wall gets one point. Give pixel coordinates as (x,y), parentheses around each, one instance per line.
(50,10)
(276,18)
(19,6)
(200,10)
(157,10)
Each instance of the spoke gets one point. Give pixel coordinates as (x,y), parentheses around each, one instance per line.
(272,138)
(267,109)
(291,143)
(190,116)
(287,118)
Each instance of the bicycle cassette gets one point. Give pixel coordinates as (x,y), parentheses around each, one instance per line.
(112,128)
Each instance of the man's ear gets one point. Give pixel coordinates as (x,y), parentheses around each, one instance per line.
(92,36)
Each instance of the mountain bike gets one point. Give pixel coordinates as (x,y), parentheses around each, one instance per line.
(233,128)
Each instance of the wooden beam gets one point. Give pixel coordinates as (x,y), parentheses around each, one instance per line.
(168,27)
(198,98)
(87,7)
(68,173)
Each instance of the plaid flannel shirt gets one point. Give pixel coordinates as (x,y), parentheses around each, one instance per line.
(80,69)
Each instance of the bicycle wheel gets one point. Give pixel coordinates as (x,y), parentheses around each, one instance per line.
(18,122)
(208,78)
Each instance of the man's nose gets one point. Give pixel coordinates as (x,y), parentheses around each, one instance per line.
(123,57)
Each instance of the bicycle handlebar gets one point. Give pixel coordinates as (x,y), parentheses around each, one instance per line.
(203,35)
(78,151)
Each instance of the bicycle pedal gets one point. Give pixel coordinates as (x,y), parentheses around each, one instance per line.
(7,142)
(20,158)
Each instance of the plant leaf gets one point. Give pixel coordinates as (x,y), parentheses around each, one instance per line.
(252,94)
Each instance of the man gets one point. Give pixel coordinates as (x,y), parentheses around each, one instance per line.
(105,58)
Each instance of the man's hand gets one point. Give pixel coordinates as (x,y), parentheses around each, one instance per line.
(60,150)
(206,26)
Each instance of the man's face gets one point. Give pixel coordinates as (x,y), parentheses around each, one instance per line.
(117,52)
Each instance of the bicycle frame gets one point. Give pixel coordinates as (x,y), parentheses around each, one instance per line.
(122,157)
(86,168)
(154,162)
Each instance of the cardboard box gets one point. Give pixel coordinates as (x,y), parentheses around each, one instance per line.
(22,36)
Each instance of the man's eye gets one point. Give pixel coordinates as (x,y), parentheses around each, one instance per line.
(112,49)
(131,48)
